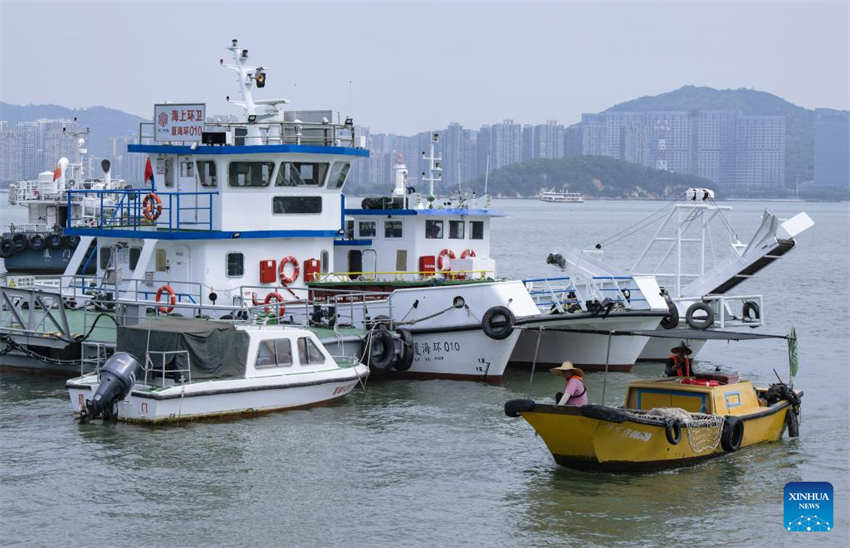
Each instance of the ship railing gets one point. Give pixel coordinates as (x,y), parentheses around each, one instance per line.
(123,209)
(559,292)
(729,310)
(268,133)
(34,316)
(620,289)
(311,306)
(29,227)
(405,275)
(162,364)
(93,355)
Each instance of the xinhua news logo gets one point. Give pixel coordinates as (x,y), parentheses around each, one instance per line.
(808,506)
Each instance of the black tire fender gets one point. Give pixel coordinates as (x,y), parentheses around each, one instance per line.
(671,320)
(405,358)
(732,435)
(792,422)
(493,327)
(37,242)
(514,407)
(673,431)
(381,348)
(7,248)
(20,241)
(751,311)
(700,323)
(603,413)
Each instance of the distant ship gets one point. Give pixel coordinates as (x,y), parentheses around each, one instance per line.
(562,196)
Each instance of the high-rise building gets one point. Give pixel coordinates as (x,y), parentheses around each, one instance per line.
(832,148)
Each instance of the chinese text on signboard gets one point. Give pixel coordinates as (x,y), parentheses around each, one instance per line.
(178,122)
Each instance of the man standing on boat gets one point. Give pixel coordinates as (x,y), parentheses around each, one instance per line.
(575,393)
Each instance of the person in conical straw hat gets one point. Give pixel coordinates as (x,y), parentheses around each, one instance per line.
(575,393)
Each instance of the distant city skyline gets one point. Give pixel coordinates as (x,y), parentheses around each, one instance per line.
(415,66)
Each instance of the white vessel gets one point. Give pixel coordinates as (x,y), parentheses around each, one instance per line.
(698,258)
(176,370)
(562,196)
(38,246)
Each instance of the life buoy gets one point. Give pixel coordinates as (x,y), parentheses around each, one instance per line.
(498,322)
(467,253)
(172,299)
(699,323)
(441,259)
(673,431)
(732,435)
(281,270)
(152,206)
(276,296)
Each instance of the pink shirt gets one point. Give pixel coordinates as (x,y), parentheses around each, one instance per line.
(571,393)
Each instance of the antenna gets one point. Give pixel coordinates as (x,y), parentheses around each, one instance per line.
(435,171)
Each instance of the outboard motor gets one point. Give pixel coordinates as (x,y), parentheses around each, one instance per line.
(116,380)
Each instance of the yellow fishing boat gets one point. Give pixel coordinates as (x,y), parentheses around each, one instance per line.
(665,422)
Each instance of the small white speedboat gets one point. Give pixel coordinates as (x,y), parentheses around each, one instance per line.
(177,370)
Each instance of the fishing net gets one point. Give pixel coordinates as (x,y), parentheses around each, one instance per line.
(703,431)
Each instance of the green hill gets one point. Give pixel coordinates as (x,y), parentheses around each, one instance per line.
(799,122)
(593,176)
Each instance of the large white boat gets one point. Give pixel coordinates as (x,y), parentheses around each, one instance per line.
(38,246)
(560,196)
(177,370)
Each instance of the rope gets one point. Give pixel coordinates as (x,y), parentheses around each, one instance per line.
(638,226)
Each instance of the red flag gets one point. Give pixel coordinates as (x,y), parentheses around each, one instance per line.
(149,172)
(57,172)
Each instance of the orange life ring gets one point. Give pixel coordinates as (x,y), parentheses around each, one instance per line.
(172,299)
(276,296)
(152,207)
(441,258)
(467,253)
(281,270)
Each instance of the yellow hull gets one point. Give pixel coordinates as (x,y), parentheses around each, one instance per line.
(578,440)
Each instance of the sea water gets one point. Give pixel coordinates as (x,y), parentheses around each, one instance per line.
(437,462)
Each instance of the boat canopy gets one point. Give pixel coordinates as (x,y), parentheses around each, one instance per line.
(213,349)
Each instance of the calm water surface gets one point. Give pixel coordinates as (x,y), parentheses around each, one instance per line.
(437,462)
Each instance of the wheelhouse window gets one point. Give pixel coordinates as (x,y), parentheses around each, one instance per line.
(206,173)
(392,229)
(366,229)
(349,229)
(301,174)
(235,265)
(187,168)
(250,173)
(434,230)
(275,353)
(456,230)
(477,229)
(296,204)
(135,253)
(104,254)
(339,172)
(309,353)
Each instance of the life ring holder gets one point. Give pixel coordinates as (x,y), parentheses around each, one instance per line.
(441,258)
(277,297)
(152,207)
(172,299)
(281,270)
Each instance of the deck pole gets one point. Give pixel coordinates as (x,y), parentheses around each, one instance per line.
(607,358)
(536,349)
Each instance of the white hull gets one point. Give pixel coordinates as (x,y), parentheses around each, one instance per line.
(225,397)
(584,349)
(461,355)
(659,349)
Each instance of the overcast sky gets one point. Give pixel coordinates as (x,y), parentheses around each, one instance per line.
(418,66)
